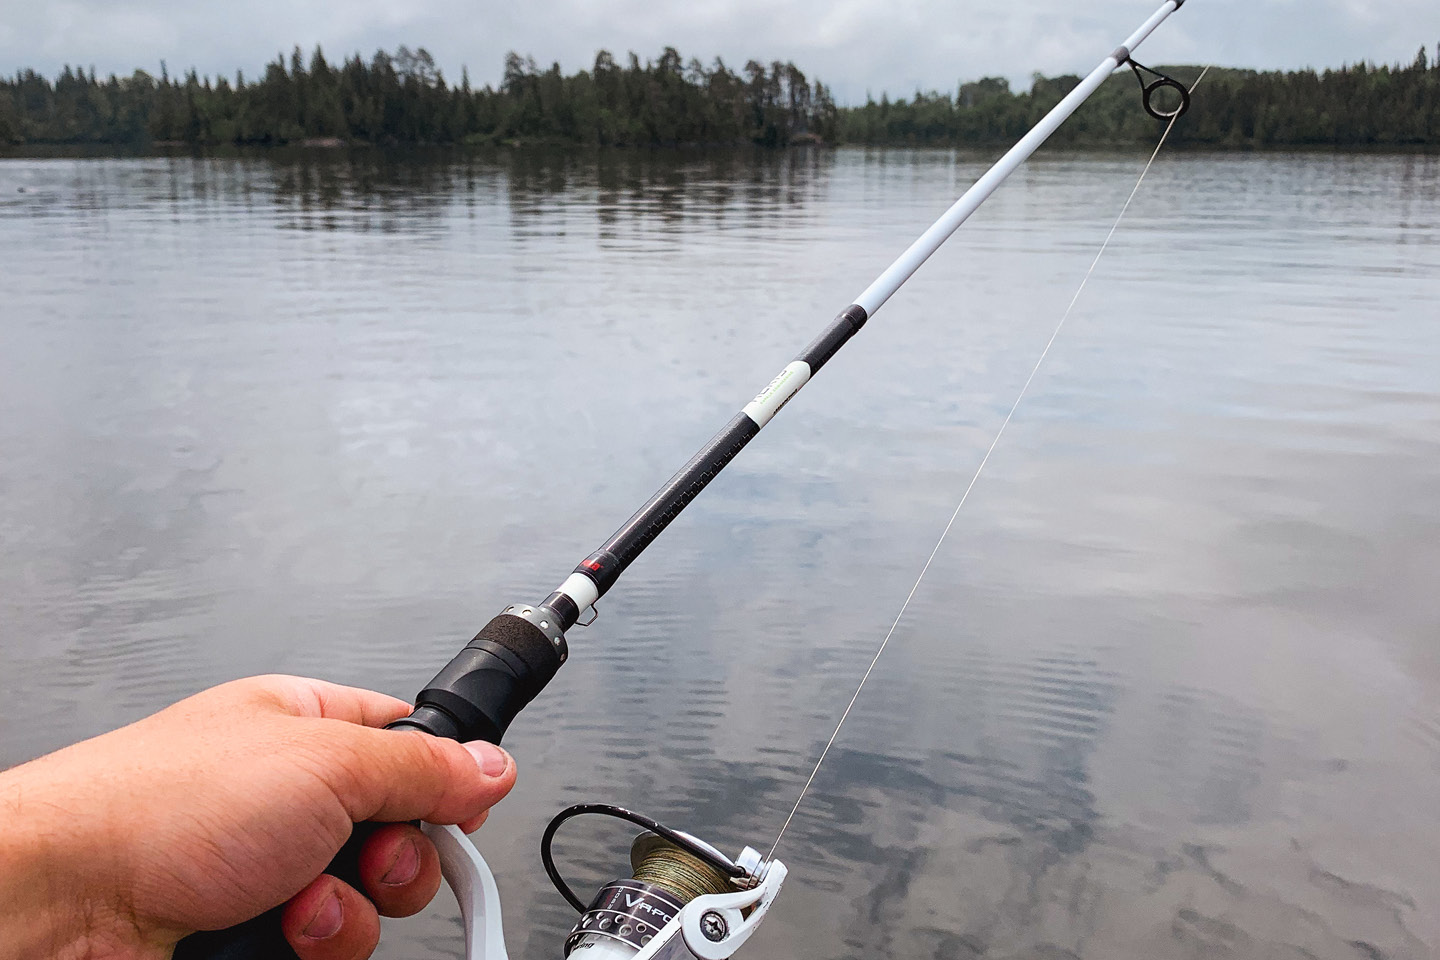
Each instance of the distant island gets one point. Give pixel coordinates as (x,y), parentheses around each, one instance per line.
(404,98)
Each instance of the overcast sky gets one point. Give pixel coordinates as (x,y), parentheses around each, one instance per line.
(854,45)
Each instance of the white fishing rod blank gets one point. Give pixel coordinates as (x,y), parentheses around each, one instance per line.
(517,653)
(931,240)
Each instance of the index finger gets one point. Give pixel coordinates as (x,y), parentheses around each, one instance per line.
(303,697)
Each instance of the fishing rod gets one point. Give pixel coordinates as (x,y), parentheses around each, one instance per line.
(684,899)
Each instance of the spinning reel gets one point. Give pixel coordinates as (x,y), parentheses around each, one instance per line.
(682,900)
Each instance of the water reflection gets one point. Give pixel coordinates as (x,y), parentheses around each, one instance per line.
(1169,691)
(403,191)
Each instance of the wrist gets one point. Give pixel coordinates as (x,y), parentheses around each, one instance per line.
(53,906)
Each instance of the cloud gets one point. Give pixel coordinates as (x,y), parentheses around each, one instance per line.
(854,45)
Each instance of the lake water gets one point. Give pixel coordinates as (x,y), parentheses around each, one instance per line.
(1170,690)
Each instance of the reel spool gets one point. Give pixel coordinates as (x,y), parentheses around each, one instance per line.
(683,898)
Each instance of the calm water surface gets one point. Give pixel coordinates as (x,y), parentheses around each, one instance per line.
(1170,690)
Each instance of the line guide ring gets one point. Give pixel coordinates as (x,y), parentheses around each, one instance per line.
(1161,82)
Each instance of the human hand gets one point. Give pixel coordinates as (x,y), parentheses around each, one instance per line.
(225,805)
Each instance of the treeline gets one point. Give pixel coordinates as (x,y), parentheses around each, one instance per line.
(405,98)
(1359,105)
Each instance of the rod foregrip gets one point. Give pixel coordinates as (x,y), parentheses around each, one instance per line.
(479,692)
(475,697)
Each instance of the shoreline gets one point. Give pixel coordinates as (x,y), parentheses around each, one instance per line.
(335,148)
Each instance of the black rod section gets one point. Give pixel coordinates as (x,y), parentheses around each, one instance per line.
(605,565)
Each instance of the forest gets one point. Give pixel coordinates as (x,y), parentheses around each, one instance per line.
(404,98)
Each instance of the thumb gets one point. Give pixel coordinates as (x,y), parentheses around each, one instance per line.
(394,775)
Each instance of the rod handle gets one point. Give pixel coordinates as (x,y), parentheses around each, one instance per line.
(260,938)
(475,697)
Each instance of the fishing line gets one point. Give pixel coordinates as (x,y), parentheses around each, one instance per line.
(804,791)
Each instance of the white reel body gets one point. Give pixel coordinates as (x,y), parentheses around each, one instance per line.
(710,927)
(628,920)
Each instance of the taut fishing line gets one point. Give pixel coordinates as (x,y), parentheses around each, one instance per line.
(944,534)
